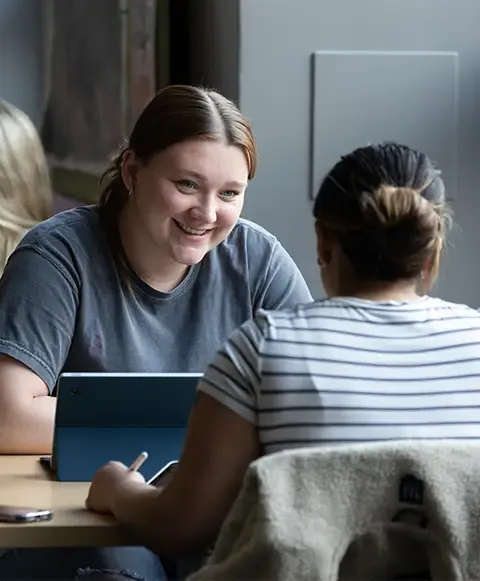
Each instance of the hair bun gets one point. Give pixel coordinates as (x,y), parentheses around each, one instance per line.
(392,206)
(400,228)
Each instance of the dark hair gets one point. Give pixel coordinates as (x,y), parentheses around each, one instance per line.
(385,204)
(177,113)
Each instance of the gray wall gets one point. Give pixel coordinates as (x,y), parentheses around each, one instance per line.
(276,41)
(21,55)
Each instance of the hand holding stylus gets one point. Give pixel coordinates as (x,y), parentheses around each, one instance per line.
(109,480)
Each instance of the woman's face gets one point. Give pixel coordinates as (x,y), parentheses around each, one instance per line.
(187,198)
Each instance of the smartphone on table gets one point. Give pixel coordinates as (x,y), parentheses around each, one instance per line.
(22,514)
(161,478)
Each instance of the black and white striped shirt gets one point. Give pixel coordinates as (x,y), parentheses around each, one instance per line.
(351,370)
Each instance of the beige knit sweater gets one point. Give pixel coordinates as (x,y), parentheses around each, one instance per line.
(373,512)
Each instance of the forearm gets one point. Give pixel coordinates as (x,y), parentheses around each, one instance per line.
(28,429)
(155,523)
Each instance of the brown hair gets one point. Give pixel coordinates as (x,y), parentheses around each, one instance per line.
(177,113)
(385,204)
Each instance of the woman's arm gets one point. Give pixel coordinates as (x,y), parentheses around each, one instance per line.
(222,441)
(37,320)
(26,410)
(188,513)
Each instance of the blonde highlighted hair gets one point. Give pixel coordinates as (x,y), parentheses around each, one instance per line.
(25,190)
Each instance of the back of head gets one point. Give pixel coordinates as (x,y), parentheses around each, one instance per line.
(385,204)
(176,114)
(25,192)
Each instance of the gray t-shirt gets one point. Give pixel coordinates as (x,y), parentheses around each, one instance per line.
(64,306)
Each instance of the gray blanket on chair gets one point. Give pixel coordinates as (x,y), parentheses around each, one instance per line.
(376,512)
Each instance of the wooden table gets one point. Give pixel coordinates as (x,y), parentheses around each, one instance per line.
(24,482)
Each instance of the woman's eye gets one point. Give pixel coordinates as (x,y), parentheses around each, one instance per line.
(186,185)
(229,195)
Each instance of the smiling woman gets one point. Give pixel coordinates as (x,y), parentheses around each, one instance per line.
(154,278)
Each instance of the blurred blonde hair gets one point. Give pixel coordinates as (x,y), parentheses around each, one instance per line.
(25,190)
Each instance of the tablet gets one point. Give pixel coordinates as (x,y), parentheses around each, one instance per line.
(114,416)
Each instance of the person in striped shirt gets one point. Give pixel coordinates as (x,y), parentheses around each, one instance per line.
(378,359)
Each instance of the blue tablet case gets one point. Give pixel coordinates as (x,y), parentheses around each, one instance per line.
(115,416)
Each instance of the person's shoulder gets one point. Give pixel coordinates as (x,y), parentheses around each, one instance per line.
(440,308)
(297,317)
(251,233)
(67,240)
(76,221)
(76,228)
(248,239)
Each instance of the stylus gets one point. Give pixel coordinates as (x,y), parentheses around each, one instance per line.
(138,461)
